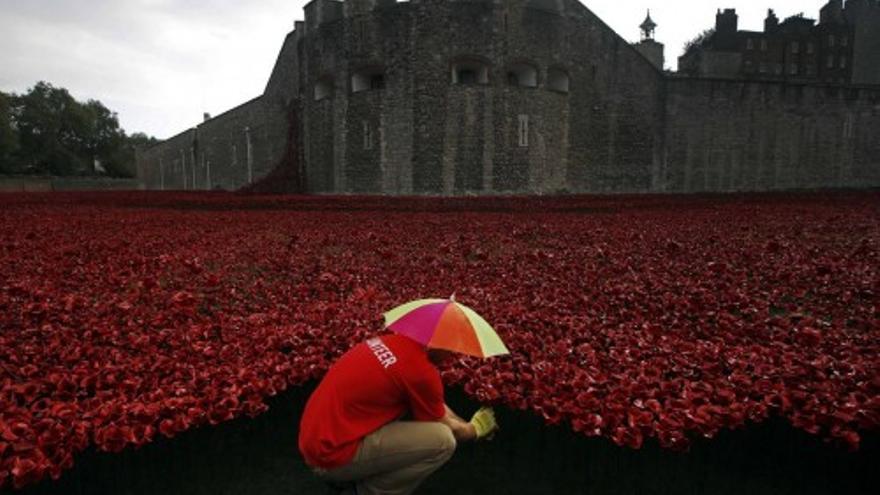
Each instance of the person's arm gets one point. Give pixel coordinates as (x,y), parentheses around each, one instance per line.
(461,429)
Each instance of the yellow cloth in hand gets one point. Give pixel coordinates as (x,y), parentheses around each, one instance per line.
(484,422)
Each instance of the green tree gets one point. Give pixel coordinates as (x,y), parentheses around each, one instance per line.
(8,136)
(698,40)
(46,131)
(52,127)
(141,140)
(106,142)
(124,166)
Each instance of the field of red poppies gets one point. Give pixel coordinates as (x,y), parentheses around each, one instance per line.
(124,316)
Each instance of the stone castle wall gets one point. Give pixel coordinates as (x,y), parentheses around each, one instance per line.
(618,124)
(734,135)
(169,164)
(235,148)
(425,134)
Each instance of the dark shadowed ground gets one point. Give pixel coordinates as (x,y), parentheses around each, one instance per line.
(259,457)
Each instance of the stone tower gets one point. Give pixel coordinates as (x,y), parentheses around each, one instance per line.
(648,46)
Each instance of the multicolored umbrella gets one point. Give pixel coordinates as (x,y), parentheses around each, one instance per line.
(445,324)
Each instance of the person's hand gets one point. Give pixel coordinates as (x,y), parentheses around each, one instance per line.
(484,422)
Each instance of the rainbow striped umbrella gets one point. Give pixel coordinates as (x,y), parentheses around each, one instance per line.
(445,324)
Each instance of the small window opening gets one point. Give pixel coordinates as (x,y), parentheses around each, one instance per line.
(467,76)
(557,80)
(523,76)
(360,32)
(323,89)
(367,79)
(368,136)
(470,72)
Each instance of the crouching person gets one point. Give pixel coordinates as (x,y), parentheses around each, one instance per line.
(352,434)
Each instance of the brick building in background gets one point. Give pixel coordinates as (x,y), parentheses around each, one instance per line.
(842,48)
(452,97)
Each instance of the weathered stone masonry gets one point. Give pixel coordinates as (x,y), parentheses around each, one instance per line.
(734,135)
(511,96)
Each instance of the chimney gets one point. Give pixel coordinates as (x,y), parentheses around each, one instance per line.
(771,22)
(726,22)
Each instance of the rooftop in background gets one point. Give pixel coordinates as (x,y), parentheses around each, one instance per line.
(842,48)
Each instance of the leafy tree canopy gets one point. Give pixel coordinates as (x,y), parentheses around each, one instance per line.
(47,131)
(698,40)
(8,136)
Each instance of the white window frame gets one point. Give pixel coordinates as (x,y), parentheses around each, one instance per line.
(523,131)
(368,135)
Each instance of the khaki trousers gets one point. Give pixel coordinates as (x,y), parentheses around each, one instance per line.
(396,458)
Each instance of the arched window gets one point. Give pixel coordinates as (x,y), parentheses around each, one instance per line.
(557,80)
(470,71)
(523,75)
(367,78)
(324,88)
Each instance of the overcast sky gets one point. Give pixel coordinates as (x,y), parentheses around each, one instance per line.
(160,63)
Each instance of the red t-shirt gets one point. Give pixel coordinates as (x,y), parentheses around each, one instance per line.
(372,384)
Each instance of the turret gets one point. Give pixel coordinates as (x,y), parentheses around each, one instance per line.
(648,27)
(648,47)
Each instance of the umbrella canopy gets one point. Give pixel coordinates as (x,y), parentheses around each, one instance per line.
(445,324)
